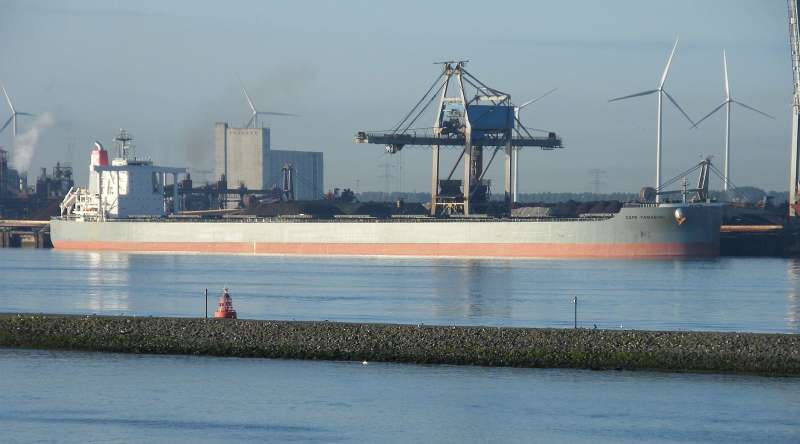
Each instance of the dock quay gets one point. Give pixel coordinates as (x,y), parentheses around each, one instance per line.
(20,233)
(675,351)
(757,240)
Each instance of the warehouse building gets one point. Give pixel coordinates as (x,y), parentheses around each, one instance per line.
(245,157)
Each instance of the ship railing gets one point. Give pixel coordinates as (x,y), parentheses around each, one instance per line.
(640,205)
(354,217)
(656,205)
(337,219)
(597,215)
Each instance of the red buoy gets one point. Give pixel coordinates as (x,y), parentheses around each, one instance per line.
(225,307)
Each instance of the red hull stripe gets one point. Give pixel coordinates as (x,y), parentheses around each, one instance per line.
(385,249)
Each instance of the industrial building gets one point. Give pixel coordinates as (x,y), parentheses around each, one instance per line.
(12,182)
(18,201)
(244,156)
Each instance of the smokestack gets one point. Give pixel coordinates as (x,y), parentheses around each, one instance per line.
(99,157)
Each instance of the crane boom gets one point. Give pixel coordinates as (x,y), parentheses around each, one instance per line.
(394,141)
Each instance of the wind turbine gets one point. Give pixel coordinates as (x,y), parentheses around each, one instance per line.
(14,113)
(517,109)
(661,93)
(728,104)
(254,117)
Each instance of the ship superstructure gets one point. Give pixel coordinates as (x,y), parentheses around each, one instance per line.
(128,186)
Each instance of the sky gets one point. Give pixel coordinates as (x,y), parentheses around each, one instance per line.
(167,70)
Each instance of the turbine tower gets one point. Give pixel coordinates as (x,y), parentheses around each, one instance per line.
(728,104)
(255,112)
(794,166)
(14,113)
(661,93)
(517,109)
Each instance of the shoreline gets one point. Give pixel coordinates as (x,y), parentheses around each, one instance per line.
(672,351)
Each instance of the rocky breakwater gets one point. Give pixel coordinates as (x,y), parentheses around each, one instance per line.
(774,354)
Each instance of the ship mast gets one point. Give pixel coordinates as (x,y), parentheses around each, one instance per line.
(124,145)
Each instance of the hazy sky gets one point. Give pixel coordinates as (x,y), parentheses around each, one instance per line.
(166,71)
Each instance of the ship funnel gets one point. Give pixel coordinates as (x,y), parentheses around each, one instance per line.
(99,155)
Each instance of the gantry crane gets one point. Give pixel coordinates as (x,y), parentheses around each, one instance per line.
(485,120)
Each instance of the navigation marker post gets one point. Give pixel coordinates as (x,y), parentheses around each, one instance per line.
(575,320)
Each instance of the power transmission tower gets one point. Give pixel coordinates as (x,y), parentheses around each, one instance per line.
(388,176)
(399,161)
(596,181)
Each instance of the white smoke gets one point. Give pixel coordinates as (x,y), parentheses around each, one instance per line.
(25,144)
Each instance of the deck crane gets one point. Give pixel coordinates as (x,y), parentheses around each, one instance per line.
(485,120)
(701,192)
(794,45)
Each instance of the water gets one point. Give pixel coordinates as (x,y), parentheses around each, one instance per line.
(727,294)
(85,397)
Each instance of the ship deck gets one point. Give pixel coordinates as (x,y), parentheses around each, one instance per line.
(340,219)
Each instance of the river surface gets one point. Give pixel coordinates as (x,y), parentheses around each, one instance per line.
(48,396)
(77,397)
(725,294)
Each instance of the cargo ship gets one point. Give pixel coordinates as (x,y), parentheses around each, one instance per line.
(124,208)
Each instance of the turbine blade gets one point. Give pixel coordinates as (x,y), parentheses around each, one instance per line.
(246,96)
(20,113)
(250,122)
(7,123)
(669,62)
(709,114)
(752,109)
(679,107)
(249,102)
(8,99)
(529,102)
(270,113)
(725,67)
(634,95)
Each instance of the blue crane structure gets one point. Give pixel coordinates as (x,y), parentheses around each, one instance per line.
(487,119)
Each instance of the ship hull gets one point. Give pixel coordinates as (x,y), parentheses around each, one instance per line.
(634,232)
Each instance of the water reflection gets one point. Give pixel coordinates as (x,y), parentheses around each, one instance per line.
(107,276)
(793,296)
(741,294)
(473,289)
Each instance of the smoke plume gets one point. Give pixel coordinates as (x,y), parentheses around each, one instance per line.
(25,144)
